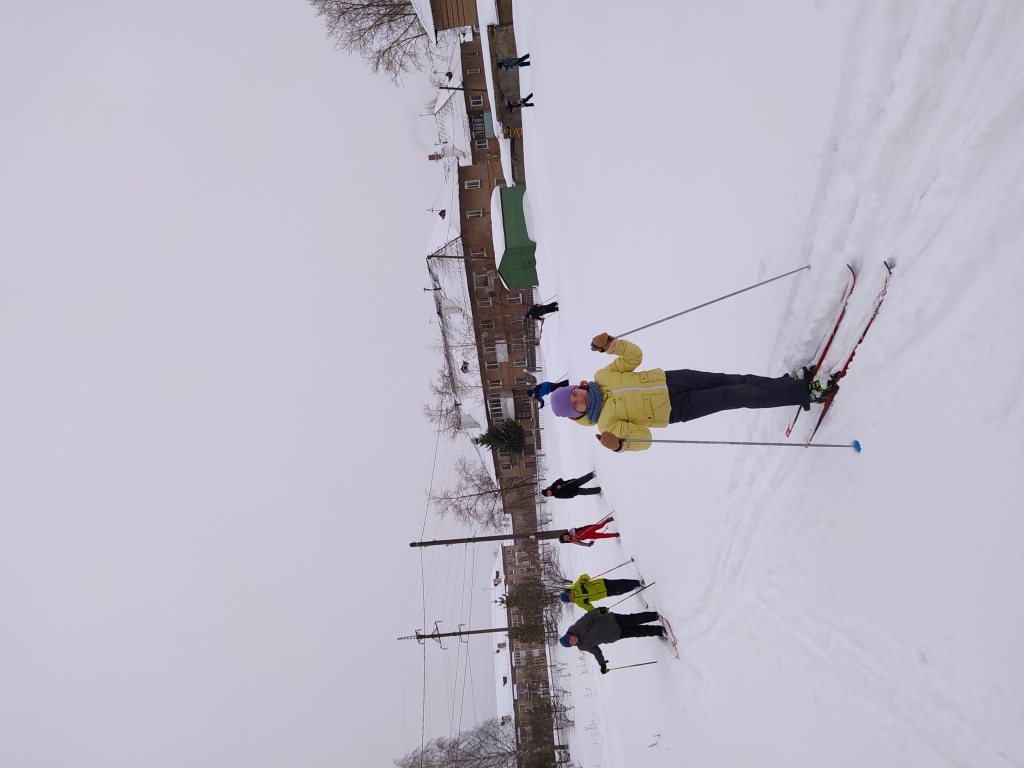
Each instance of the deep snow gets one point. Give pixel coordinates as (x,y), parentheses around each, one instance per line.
(832,608)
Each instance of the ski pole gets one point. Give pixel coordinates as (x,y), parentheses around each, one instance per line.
(708,303)
(613,569)
(627,666)
(631,594)
(855,444)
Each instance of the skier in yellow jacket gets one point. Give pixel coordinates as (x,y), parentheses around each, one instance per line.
(626,403)
(585,590)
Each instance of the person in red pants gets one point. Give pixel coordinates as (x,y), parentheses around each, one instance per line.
(579,535)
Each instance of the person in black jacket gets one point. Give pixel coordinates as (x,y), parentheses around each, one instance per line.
(514,104)
(569,489)
(603,626)
(537,311)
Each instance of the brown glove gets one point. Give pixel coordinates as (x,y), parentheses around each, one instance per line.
(610,441)
(601,342)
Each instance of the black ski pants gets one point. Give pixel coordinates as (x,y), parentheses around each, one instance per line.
(620,586)
(574,488)
(630,623)
(694,394)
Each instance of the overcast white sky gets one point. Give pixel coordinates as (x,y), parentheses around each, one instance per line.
(213,348)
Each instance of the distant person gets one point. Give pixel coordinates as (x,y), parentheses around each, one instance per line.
(571,488)
(581,535)
(514,104)
(537,311)
(602,626)
(586,590)
(522,61)
(545,388)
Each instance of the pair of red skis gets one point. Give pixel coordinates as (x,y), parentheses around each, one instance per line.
(826,344)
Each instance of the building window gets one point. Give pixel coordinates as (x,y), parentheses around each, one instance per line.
(491,365)
(499,182)
(484,301)
(522,381)
(515,298)
(480,281)
(476,101)
(486,325)
(477,254)
(472,53)
(473,71)
(494,384)
(472,184)
(515,321)
(474,214)
(507,468)
(481,143)
(520,362)
(531,464)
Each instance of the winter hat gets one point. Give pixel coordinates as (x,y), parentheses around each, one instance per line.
(561,403)
(565,597)
(564,639)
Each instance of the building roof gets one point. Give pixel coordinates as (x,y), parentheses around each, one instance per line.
(518,264)
(426,16)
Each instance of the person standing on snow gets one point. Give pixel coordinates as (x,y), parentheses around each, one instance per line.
(537,311)
(602,626)
(514,104)
(569,489)
(585,590)
(513,63)
(544,389)
(579,535)
(625,403)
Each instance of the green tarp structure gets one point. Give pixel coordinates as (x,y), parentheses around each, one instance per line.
(518,265)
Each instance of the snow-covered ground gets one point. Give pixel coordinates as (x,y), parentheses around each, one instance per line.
(833,609)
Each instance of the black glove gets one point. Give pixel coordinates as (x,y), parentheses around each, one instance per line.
(604,670)
(602,610)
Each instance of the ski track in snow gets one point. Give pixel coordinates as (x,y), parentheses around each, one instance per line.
(921,164)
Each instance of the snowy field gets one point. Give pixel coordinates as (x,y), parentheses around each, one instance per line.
(833,609)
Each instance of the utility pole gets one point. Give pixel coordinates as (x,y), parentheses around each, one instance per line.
(499,537)
(436,635)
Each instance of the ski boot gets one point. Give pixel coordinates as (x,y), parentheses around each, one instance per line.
(820,392)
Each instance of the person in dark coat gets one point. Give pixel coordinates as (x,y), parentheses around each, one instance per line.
(602,626)
(514,104)
(537,311)
(513,63)
(569,489)
(544,389)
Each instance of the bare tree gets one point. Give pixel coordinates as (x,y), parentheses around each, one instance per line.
(445,410)
(490,745)
(477,499)
(387,34)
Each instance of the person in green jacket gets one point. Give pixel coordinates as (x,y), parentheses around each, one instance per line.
(626,403)
(585,590)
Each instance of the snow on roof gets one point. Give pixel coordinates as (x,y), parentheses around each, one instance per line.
(486,17)
(453,120)
(426,17)
(502,656)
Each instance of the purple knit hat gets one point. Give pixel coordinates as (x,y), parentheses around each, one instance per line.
(561,405)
